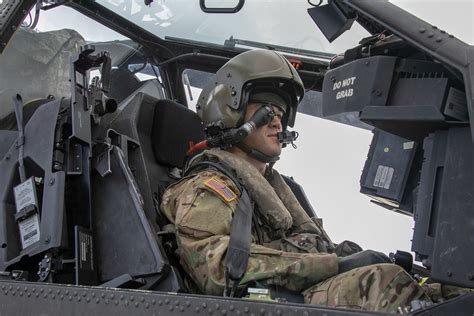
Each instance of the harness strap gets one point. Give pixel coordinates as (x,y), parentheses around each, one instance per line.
(238,251)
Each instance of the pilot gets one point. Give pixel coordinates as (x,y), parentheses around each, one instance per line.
(287,249)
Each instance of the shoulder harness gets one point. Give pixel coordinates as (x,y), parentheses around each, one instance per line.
(238,251)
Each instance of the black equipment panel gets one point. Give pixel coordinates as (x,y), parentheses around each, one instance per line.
(444,229)
(387,170)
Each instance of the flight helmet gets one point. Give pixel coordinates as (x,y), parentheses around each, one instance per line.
(257,76)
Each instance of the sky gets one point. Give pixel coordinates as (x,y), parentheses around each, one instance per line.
(330,156)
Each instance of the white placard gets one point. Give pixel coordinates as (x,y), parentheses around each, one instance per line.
(25,194)
(383,177)
(29,230)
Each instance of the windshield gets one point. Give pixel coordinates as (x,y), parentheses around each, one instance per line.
(274,22)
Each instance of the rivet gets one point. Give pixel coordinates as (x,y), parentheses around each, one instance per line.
(188,303)
(224,312)
(262,311)
(278,312)
(51,181)
(171,308)
(75,293)
(93,294)
(246,309)
(439,39)
(434,27)
(50,291)
(53,296)
(136,304)
(181,308)
(84,294)
(422,30)
(125,303)
(78,298)
(107,302)
(3,287)
(470,276)
(97,300)
(121,297)
(197,309)
(142,299)
(451,36)
(443,31)
(70,298)
(36,294)
(176,303)
(238,312)
(88,299)
(61,297)
(217,307)
(17,288)
(167,301)
(449,273)
(153,302)
(430,35)
(305,313)
(231,307)
(210,311)
(58,292)
(147,305)
(132,298)
(33,290)
(21,293)
(102,295)
(116,302)
(204,305)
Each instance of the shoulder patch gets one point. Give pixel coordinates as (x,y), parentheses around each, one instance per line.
(220,188)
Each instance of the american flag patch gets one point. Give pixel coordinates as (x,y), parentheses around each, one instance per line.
(220,188)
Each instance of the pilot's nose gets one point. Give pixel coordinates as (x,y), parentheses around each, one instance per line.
(276,122)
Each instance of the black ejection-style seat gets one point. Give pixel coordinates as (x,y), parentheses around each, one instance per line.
(150,139)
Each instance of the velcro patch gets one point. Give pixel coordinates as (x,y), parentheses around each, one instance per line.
(220,188)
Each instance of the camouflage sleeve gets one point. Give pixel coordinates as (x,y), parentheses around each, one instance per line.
(203,219)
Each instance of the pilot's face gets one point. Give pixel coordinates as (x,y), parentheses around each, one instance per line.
(265,138)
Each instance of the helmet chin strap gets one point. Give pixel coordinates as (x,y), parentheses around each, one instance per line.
(256,154)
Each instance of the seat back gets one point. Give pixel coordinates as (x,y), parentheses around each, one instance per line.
(128,223)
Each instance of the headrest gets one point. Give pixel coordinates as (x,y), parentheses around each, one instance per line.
(174,126)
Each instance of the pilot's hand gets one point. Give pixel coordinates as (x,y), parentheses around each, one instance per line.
(361,259)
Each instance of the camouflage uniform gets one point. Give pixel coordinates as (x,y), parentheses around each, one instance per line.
(288,248)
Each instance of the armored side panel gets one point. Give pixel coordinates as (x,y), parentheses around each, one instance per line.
(136,122)
(444,226)
(38,154)
(126,243)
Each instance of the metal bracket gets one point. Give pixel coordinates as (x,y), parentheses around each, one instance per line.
(124,142)
(101,162)
(74,165)
(44,267)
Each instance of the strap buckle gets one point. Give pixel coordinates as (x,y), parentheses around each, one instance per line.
(230,285)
